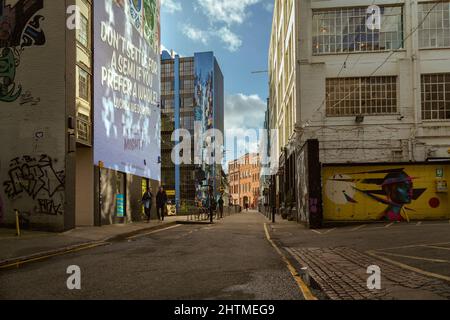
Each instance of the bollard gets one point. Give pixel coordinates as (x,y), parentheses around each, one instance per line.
(17,223)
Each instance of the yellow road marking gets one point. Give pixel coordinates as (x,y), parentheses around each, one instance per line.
(407,267)
(19,263)
(359,227)
(152,232)
(413,257)
(307,294)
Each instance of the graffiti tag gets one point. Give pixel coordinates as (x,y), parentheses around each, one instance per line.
(28,98)
(47,206)
(33,176)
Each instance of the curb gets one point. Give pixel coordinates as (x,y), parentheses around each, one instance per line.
(12,262)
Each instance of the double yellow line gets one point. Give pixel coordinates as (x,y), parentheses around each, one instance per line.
(306,292)
(51,255)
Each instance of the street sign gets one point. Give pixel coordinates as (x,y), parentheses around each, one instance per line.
(171,193)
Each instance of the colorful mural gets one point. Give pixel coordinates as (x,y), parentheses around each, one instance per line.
(20,27)
(392,193)
(145,17)
(204,107)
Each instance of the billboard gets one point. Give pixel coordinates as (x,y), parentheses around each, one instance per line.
(127,86)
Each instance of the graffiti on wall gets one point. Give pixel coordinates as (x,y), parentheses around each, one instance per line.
(390,193)
(20,27)
(37,178)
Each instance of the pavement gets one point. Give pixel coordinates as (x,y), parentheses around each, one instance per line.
(414,258)
(242,257)
(35,244)
(231,259)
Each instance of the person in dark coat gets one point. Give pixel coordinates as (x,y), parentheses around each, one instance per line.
(147,202)
(161,201)
(221,202)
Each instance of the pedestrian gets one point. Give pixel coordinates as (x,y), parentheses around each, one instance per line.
(161,202)
(147,202)
(221,202)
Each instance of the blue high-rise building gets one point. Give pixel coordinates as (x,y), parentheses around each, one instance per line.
(192,92)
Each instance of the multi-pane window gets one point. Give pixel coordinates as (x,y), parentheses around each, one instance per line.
(83,84)
(436,96)
(187,68)
(83,31)
(167,69)
(361,96)
(345,30)
(167,104)
(188,102)
(435,29)
(187,85)
(166,87)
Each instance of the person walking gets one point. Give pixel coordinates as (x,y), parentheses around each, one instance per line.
(161,202)
(147,202)
(221,202)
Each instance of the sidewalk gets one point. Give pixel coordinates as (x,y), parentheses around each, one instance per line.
(34,244)
(412,258)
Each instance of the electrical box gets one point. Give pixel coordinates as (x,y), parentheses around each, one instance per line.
(441,186)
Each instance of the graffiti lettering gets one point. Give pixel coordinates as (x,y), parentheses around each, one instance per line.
(28,98)
(49,207)
(33,176)
(20,27)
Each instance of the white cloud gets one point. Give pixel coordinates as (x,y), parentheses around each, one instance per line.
(171,6)
(228,11)
(195,34)
(231,39)
(269,6)
(243,113)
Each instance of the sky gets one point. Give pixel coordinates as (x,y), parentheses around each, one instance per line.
(238,32)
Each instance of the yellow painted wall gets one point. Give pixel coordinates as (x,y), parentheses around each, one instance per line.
(343,202)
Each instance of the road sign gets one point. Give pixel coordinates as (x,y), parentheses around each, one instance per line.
(171,193)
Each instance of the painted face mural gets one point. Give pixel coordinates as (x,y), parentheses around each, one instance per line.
(20,27)
(393,188)
(399,191)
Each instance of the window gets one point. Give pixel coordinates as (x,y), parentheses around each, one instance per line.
(435,29)
(187,68)
(436,96)
(83,84)
(345,30)
(187,85)
(355,96)
(83,31)
(166,87)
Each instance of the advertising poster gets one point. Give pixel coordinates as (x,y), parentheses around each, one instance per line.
(127,86)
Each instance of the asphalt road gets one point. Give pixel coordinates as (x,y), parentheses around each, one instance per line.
(230,260)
